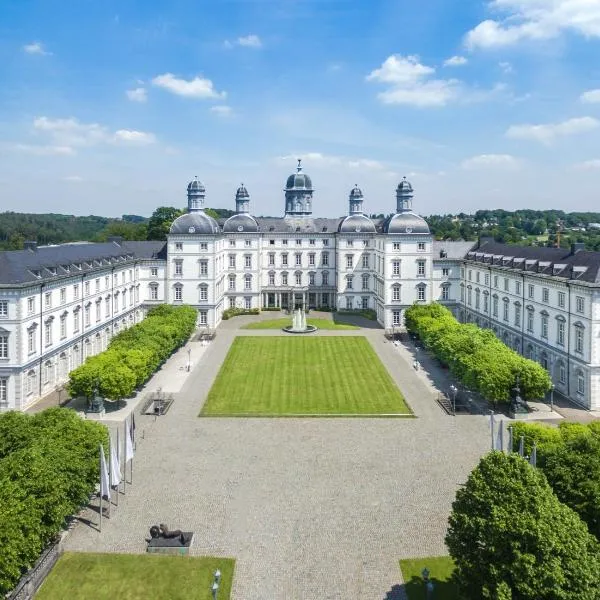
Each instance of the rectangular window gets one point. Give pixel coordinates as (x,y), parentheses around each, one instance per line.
(477,276)
(396,246)
(477,299)
(562,374)
(30,306)
(561,299)
(421,246)
(396,293)
(579,304)
(3,346)
(496,281)
(485,302)
(470,274)
(531,291)
(325,259)
(204,245)
(365,282)
(247,261)
(446,295)
(232,283)
(349,302)
(87,315)
(421,294)
(486,279)
(284,242)
(518,288)
(271,259)
(97,284)
(203,267)
(298,278)
(232,243)
(580,384)
(203,317)
(545,295)
(311,279)
(247,283)
(31,341)
(312,241)
(517,315)
(247,302)
(284,279)
(579,340)
(349,243)
(396,318)
(311,259)
(469,296)
(495,307)
(349,261)
(107,305)
(530,321)
(3,308)
(3,390)
(232,261)
(87,286)
(154,271)
(178,268)
(48,300)
(248,243)
(545,326)
(421,268)
(396,268)
(153,292)
(271,278)
(284,260)
(203,293)
(63,328)
(325,277)
(505,311)
(365,261)
(298,260)
(98,311)
(48,333)
(560,333)
(178,245)
(349,283)
(298,242)
(325,242)
(76,321)
(506,284)
(445,272)
(178,293)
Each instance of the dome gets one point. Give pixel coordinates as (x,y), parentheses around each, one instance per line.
(242,192)
(298,181)
(404,186)
(406,222)
(355,192)
(196,222)
(196,186)
(239,223)
(357,224)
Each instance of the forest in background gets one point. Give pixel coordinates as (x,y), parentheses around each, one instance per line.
(521,227)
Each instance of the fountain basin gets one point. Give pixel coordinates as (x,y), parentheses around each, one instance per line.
(308,329)
(299,324)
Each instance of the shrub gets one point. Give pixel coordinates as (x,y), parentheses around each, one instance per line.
(134,354)
(475,356)
(236,312)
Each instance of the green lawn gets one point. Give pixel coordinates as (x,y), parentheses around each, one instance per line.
(440,570)
(287,321)
(292,376)
(135,577)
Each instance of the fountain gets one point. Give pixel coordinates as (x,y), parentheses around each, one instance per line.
(299,324)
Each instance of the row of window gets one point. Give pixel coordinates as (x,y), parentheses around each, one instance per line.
(421,246)
(531,290)
(421,272)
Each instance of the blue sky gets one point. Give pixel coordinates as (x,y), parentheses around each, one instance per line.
(111,107)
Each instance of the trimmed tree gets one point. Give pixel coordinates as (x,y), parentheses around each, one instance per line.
(509,533)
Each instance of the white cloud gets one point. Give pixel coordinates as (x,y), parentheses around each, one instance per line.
(409,83)
(591,96)
(36,48)
(484,161)
(455,61)
(588,165)
(45,150)
(137,94)
(71,132)
(199,87)
(222,110)
(317,159)
(134,137)
(250,41)
(73,179)
(547,132)
(535,20)
(506,67)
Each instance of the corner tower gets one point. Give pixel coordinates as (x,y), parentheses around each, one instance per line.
(298,194)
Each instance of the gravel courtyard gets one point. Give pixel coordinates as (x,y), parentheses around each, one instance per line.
(316,508)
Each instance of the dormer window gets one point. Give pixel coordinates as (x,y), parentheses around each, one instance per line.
(36,273)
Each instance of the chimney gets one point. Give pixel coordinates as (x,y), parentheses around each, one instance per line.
(30,245)
(115,239)
(577,247)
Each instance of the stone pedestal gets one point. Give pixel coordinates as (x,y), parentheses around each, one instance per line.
(161,545)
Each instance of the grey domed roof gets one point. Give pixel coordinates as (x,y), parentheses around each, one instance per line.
(239,223)
(195,222)
(405,222)
(196,186)
(356,192)
(242,192)
(356,224)
(298,181)
(404,185)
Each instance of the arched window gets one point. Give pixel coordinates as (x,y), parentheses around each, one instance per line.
(421,292)
(579,337)
(580,382)
(31,382)
(530,352)
(203,292)
(544,360)
(97,343)
(48,372)
(153,289)
(396,293)
(178,289)
(248,282)
(87,348)
(63,366)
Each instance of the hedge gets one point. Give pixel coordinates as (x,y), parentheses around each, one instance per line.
(475,356)
(236,312)
(49,467)
(135,354)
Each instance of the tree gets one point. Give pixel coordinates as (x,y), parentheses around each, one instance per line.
(508,532)
(160,222)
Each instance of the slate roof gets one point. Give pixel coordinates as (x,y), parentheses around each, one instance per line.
(47,263)
(298,224)
(581,265)
(453,249)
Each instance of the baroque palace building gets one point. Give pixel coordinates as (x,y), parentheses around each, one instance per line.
(61,304)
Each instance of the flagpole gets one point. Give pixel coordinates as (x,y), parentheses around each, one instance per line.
(119,465)
(100,450)
(109,475)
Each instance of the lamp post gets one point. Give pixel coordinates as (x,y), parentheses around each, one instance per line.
(454,392)
(189,363)
(215,585)
(428,583)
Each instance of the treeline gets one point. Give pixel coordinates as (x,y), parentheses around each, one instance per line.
(475,356)
(134,355)
(46,229)
(49,464)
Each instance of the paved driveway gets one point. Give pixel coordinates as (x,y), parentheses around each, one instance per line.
(311,509)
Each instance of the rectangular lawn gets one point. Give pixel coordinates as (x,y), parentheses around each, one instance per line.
(133,577)
(440,570)
(294,376)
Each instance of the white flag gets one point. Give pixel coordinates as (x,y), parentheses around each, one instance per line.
(128,444)
(115,466)
(104,479)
